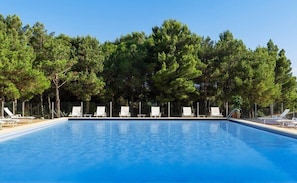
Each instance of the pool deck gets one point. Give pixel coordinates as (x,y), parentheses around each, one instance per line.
(23,127)
(9,131)
(287,131)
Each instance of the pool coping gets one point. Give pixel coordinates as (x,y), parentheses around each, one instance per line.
(146,118)
(285,131)
(29,128)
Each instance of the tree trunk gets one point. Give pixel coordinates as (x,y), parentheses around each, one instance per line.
(49,104)
(58,102)
(87,106)
(2,106)
(14,105)
(56,82)
(41,105)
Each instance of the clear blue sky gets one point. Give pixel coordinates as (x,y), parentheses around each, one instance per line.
(252,21)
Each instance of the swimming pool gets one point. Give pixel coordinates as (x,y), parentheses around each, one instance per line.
(149,151)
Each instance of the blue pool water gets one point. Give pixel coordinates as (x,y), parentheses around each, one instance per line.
(149,151)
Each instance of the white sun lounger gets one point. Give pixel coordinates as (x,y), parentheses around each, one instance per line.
(215,112)
(155,111)
(187,112)
(100,112)
(76,111)
(275,118)
(17,116)
(288,122)
(124,111)
(9,121)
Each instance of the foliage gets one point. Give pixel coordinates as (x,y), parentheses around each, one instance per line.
(57,64)
(18,77)
(85,85)
(125,68)
(284,78)
(86,81)
(175,51)
(228,71)
(170,64)
(237,101)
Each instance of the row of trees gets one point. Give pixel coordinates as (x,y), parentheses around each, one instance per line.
(172,64)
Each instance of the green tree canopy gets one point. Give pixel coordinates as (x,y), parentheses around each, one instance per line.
(175,57)
(170,64)
(87,80)
(125,68)
(58,64)
(19,78)
(284,78)
(257,84)
(230,55)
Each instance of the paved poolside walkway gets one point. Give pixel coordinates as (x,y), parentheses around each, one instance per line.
(290,131)
(24,124)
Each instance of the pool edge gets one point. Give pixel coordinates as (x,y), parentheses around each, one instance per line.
(34,127)
(269,128)
(23,130)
